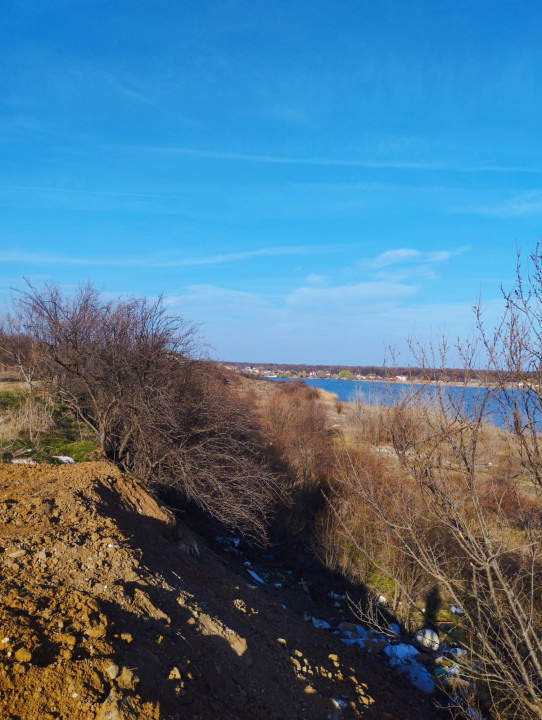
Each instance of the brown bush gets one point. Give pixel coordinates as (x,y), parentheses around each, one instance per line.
(128,369)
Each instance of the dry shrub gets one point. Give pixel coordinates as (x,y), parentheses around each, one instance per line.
(368,422)
(297,425)
(502,495)
(436,521)
(128,369)
(355,538)
(295,421)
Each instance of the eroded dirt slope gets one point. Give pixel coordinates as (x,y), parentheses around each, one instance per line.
(107,613)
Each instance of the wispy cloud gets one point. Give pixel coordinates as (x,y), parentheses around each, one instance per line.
(349,298)
(337,162)
(529,203)
(403,256)
(107,193)
(153,261)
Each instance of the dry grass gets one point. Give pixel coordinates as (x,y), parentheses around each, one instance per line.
(33,416)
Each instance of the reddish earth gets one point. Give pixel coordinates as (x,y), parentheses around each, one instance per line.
(108,614)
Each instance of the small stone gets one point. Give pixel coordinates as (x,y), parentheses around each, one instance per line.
(281,641)
(16,553)
(127,637)
(174,674)
(42,556)
(127,680)
(298,653)
(23,655)
(112,671)
(333,657)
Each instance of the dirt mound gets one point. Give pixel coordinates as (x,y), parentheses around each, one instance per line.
(113,611)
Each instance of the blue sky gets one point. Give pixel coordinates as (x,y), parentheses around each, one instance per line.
(309,181)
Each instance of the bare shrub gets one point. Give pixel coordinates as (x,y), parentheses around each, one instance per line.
(475,537)
(295,421)
(298,427)
(128,369)
(371,554)
(368,422)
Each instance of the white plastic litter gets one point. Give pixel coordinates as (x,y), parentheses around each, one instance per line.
(402,657)
(66,459)
(321,624)
(456,651)
(401,653)
(419,677)
(427,639)
(457,610)
(255,576)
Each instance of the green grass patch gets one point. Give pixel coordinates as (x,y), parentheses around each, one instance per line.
(10,400)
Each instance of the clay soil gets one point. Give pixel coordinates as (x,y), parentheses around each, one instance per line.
(112,610)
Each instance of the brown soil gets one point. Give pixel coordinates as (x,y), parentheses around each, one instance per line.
(108,613)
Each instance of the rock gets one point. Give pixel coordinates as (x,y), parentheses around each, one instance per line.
(127,680)
(42,556)
(174,674)
(281,641)
(23,655)
(112,671)
(16,553)
(117,708)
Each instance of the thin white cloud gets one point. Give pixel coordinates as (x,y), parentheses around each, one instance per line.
(405,256)
(336,162)
(529,203)
(155,262)
(349,297)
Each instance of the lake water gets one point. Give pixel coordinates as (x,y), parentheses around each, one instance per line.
(497,408)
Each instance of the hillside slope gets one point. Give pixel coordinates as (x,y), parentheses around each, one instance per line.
(108,613)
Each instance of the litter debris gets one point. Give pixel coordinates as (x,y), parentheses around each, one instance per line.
(321,624)
(401,653)
(229,544)
(255,576)
(65,459)
(402,657)
(427,639)
(453,652)
(457,610)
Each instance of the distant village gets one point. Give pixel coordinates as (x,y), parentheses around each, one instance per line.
(344,374)
(373,373)
(330,372)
